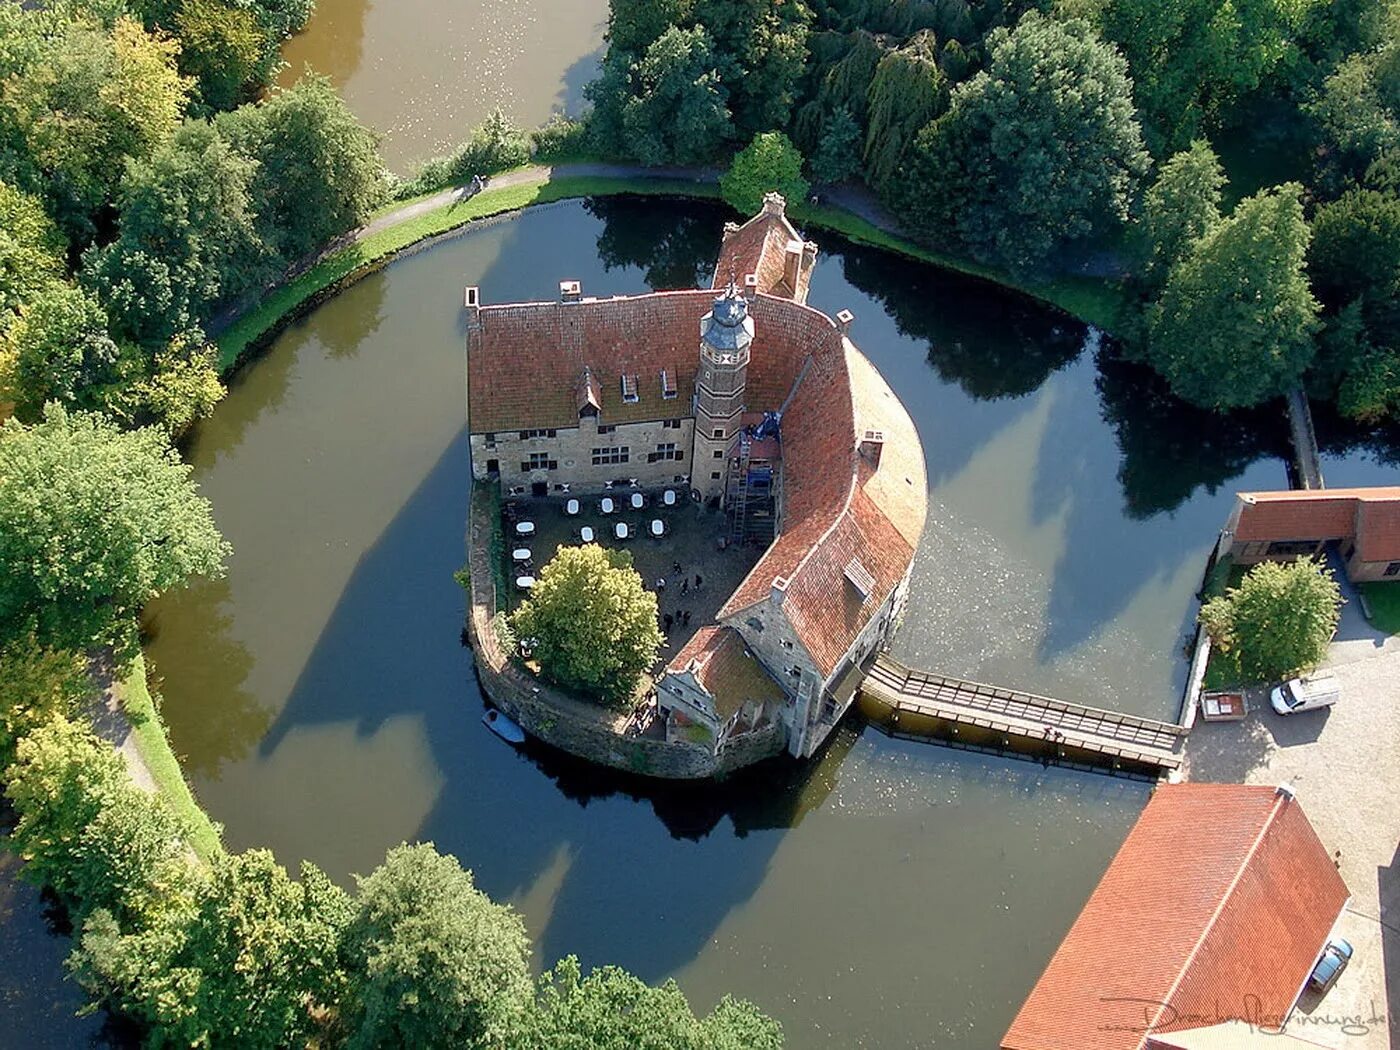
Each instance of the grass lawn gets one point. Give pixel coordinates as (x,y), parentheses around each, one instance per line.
(154,746)
(1098,302)
(1384,600)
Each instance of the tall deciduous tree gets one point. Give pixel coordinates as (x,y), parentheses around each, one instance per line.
(1278,621)
(1235,322)
(1036,151)
(188,238)
(1191,59)
(677,111)
(245,956)
(318,172)
(612,1008)
(62,351)
(906,92)
(31,251)
(1181,207)
(94,522)
(770,163)
(77,99)
(433,961)
(762,50)
(591,623)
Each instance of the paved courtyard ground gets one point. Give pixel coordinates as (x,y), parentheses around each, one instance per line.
(692,541)
(1344,764)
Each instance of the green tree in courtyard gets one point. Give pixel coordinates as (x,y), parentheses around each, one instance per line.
(611,1008)
(591,623)
(1181,207)
(433,961)
(1038,150)
(94,522)
(769,163)
(1235,322)
(1277,622)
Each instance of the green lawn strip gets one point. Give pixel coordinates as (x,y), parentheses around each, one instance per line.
(1384,602)
(1097,301)
(154,746)
(342,266)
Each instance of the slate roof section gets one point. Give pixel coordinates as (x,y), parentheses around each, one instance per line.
(1216,906)
(725,668)
(1370,516)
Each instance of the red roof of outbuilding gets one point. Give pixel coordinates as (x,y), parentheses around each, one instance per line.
(1216,907)
(1370,516)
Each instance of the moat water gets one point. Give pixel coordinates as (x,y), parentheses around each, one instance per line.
(889,894)
(423,73)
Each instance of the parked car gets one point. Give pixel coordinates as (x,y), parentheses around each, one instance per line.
(1304,694)
(1334,960)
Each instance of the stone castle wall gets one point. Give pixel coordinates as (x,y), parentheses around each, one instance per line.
(586,730)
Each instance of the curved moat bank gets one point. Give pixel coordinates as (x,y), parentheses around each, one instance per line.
(890,894)
(424,73)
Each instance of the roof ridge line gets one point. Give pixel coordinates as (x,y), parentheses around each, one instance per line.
(1278,803)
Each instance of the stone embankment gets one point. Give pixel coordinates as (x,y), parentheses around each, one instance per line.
(583,729)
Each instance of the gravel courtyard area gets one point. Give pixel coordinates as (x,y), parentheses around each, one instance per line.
(1344,764)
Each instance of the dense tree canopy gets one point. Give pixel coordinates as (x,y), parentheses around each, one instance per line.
(1181,207)
(1192,59)
(1235,322)
(1277,622)
(94,522)
(770,163)
(31,251)
(435,961)
(1035,152)
(611,1008)
(590,622)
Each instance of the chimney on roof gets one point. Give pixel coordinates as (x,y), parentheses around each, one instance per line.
(570,291)
(843,322)
(778,591)
(471,302)
(1285,792)
(750,285)
(774,204)
(792,264)
(871,445)
(730,227)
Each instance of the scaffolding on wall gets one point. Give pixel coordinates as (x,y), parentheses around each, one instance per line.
(751,496)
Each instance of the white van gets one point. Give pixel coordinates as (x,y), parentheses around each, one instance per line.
(1304,694)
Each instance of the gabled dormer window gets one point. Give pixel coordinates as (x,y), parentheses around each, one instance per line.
(668,385)
(629,390)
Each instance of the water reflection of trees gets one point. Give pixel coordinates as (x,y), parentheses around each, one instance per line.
(211,668)
(675,245)
(774,794)
(1009,358)
(1169,448)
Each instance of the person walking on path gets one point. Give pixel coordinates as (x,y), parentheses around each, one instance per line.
(685,618)
(697,581)
(685,586)
(667,621)
(661,583)
(676,568)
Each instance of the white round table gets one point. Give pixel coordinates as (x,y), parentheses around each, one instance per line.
(524,528)
(520,554)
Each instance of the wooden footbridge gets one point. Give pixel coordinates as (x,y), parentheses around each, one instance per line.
(915,704)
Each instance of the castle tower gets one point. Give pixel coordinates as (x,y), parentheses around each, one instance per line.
(726,333)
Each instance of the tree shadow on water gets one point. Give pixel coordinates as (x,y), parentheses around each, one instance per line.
(673,242)
(390,653)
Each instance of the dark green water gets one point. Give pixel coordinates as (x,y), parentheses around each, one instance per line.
(889,895)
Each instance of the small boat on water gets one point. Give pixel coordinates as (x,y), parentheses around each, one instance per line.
(503,727)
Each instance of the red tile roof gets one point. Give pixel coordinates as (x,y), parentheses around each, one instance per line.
(1216,907)
(760,247)
(525,360)
(526,364)
(725,669)
(1370,516)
